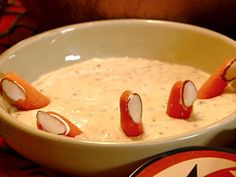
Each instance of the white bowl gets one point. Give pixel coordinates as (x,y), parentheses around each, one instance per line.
(167,41)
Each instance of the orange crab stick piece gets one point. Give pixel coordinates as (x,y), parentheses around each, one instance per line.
(181,99)
(55,123)
(21,94)
(131,114)
(216,83)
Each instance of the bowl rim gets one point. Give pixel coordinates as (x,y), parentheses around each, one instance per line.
(6,118)
(82,25)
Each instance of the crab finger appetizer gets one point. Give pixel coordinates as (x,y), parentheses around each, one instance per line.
(55,123)
(183,95)
(21,94)
(216,83)
(131,114)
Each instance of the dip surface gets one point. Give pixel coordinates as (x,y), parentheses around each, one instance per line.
(88,94)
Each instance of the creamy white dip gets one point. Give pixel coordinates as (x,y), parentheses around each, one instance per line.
(88,94)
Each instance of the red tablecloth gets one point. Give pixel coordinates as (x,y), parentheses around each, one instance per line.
(14,165)
(16,25)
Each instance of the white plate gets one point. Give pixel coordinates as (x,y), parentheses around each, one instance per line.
(190,162)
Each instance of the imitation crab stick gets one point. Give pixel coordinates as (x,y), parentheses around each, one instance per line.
(131,114)
(181,99)
(21,94)
(53,122)
(216,83)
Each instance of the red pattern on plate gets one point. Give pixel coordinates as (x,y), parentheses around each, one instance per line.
(169,159)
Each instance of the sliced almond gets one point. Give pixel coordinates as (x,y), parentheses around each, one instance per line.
(189,93)
(230,71)
(135,107)
(13,90)
(52,123)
